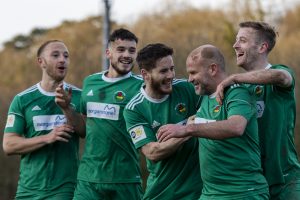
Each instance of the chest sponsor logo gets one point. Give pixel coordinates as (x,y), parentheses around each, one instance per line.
(260,107)
(137,134)
(199,120)
(48,122)
(103,110)
(10,121)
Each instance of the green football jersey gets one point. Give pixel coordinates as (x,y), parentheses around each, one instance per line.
(34,112)
(109,155)
(276,114)
(178,176)
(231,168)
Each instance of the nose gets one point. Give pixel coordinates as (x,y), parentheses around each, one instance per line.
(63,59)
(236,44)
(126,54)
(171,74)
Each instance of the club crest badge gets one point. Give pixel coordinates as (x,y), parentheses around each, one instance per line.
(181,109)
(258,90)
(217,109)
(119,96)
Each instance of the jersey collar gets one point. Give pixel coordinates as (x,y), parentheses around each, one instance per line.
(113,80)
(152,99)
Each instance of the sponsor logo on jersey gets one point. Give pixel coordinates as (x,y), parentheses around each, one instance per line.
(258,90)
(103,110)
(119,96)
(35,108)
(155,124)
(10,121)
(48,122)
(90,93)
(260,107)
(137,134)
(180,108)
(217,108)
(199,120)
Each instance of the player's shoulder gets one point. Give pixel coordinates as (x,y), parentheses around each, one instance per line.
(94,76)
(137,77)
(182,84)
(73,87)
(280,66)
(28,91)
(283,67)
(135,101)
(237,88)
(179,81)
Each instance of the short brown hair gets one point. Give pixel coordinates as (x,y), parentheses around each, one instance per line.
(265,32)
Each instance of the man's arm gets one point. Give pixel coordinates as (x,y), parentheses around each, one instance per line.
(75,119)
(14,143)
(156,151)
(234,126)
(278,77)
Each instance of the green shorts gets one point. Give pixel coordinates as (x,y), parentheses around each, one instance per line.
(264,196)
(289,191)
(63,192)
(108,191)
(60,196)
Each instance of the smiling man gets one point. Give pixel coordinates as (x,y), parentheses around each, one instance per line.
(228,137)
(109,168)
(274,89)
(173,165)
(37,130)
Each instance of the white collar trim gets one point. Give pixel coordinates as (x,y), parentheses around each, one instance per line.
(113,80)
(152,99)
(44,92)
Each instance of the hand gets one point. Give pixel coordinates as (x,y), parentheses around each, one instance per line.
(220,88)
(60,133)
(63,98)
(168,131)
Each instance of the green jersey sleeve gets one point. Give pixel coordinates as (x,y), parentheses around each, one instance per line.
(139,129)
(240,102)
(15,118)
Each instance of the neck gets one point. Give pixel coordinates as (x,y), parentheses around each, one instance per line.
(113,73)
(151,93)
(49,85)
(256,65)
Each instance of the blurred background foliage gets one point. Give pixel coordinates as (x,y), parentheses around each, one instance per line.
(175,24)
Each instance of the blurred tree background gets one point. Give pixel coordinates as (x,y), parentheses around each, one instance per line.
(176,24)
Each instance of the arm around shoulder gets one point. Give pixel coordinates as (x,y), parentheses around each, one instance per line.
(279,77)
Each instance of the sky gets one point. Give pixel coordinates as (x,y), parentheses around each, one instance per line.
(22,16)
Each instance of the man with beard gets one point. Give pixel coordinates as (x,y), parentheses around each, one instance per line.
(274,89)
(173,165)
(37,130)
(109,167)
(228,137)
